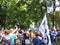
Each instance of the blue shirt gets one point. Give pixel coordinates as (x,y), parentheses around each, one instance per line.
(52,36)
(12,37)
(37,41)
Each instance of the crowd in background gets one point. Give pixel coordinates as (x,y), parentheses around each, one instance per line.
(26,37)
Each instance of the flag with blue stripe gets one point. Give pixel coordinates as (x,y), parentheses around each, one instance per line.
(43,28)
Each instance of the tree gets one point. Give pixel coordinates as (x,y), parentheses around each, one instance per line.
(24,11)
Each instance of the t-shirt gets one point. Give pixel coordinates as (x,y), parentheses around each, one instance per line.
(37,41)
(12,37)
(27,41)
(7,37)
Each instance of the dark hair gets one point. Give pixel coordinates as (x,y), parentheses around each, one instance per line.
(20,31)
(6,32)
(30,30)
(27,37)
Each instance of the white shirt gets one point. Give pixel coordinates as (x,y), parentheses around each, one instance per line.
(27,41)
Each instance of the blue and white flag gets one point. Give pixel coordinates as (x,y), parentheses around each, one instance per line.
(43,28)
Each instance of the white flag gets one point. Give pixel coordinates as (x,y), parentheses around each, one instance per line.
(43,28)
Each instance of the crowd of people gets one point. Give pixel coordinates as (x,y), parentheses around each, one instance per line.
(25,37)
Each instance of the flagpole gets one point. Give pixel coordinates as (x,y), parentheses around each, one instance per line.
(46,25)
(47,13)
